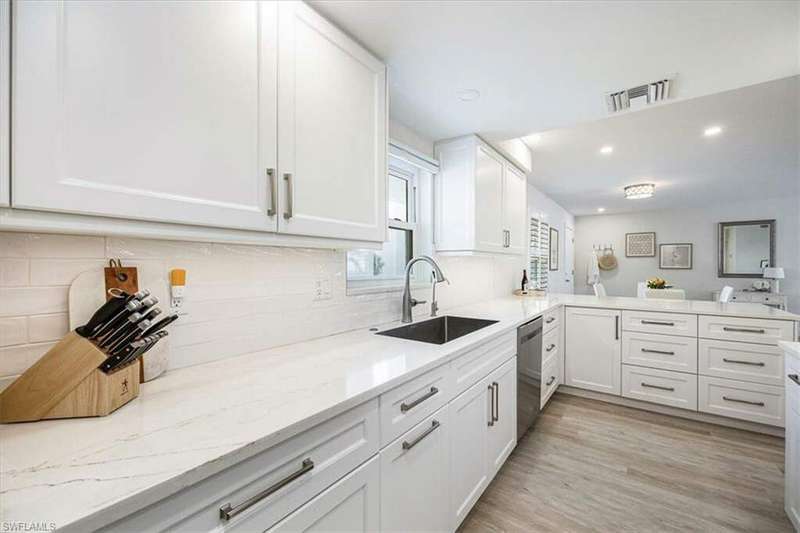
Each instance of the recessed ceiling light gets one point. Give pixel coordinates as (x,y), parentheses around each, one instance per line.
(639,190)
(712,130)
(468,95)
(606,149)
(601,209)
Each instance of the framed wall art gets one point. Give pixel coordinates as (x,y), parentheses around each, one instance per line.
(640,244)
(675,256)
(553,248)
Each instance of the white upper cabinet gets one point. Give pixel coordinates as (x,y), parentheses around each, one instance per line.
(332,131)
(480,199)
(162,111)
(5,87)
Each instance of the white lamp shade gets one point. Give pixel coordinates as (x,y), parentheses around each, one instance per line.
(773,273)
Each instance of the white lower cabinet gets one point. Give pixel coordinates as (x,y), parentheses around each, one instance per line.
(675,389)
(740,399)
(502,432)
(593,349)
(792,452)
(351,504)
(414,485)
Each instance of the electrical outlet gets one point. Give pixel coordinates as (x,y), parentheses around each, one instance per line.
(322,289)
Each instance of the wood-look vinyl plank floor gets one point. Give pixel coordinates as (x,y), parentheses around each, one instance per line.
(593,466)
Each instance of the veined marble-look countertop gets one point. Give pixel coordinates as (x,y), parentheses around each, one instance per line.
(82,474)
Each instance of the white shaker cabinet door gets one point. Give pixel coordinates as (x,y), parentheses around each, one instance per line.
(5,88)
(332,131)
(489,217)
(502,431)
(792,465)
(149,110)
(352,504)
(593,350)
(515,207)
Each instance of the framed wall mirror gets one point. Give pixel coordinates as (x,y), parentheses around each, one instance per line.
(746,248)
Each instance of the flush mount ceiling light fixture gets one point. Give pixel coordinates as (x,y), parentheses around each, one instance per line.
(712,130)
(468,95)
(606,149)
(601,209)
(639,190)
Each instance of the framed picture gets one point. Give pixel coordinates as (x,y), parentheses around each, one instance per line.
(640,244)
(675,256)
(553,249)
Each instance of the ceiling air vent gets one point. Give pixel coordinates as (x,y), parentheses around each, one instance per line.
(638,97)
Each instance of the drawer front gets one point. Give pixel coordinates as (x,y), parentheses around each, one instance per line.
(552,319)
(334,448)
(661,323)
(740,297)
(756,330)
(791,368)
(550,379)
(739,399)
(407,405)
(414,469)
(667,352)
(476,364)
(743,361)
(674,389)
(551,345)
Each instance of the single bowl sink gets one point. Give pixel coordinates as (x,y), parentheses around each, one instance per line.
(438,330)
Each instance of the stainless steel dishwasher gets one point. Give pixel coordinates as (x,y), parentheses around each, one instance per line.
(529,374)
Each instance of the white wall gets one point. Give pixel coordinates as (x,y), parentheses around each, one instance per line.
(697,226)
(544,208)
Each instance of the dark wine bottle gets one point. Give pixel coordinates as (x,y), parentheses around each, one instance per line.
(524,280)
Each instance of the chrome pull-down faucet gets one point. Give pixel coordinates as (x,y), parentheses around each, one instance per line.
(408,301)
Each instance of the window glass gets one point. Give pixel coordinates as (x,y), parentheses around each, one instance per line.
(386,264)
(397,207)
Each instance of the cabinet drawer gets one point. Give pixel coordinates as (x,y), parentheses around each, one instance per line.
(743,361)
(551,345)
(334,448)
(550,379)
(740,399)
(414,488)
(407,405)
(476,364)
(667,352)
(675,389)
(552,319)
(756,330)
(662,323)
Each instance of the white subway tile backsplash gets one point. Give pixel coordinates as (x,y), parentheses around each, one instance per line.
(14,272)
(239,299)
(43,328)
(16,301)
(61,271)
(13,330)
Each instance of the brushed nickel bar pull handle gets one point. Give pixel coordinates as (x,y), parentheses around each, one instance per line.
(550,381)
(273,192)
(289,213)
(737,361)
(657,323)
(550,347)
(408,406)
(227,512)
(662,352)
(616,328)
(659,387)
(496,402)
(748,402)
(549,320)
(744,330)
(491,405)
(794,377)
(408,445)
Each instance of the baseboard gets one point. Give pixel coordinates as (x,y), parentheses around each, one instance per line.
(673,411)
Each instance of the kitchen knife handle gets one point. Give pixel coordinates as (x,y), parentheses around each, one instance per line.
(289,213)
(273,191)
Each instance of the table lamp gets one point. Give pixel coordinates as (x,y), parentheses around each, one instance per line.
(774,273)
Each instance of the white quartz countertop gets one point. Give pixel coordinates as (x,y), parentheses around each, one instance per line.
(82,474)
(790,348)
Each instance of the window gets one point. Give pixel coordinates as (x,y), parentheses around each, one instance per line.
(376,270)
(539,254)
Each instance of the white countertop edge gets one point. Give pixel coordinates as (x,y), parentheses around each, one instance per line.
(791,348)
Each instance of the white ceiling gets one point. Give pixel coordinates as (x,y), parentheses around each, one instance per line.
(755,156)
(545,65)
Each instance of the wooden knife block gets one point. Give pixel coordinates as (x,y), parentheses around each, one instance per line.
(66,383)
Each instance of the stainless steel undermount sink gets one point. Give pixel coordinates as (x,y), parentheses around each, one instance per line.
(438,330)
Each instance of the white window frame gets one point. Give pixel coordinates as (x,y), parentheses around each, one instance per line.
(539,254)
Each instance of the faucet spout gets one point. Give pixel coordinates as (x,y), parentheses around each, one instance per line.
(408,301)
